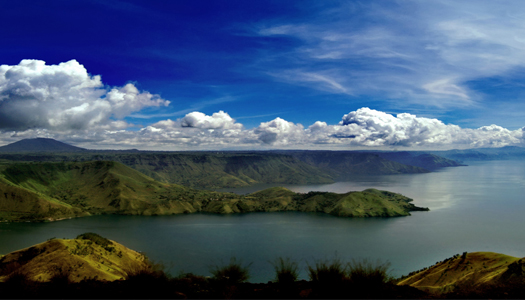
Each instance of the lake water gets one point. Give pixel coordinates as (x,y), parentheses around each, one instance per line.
(476,208)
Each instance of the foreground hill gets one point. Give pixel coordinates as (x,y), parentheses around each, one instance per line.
(91,266)
(50,191)
(474,270)
(89,256)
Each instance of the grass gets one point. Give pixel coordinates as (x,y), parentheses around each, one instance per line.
(326,272)
(367,273)
(286,270)
(231,273)
(329,278)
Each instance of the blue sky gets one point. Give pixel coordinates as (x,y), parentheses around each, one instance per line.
(183,75)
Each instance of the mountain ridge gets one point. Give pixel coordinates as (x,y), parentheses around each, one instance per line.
(52,191)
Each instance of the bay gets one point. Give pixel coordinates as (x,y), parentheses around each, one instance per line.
(475,208)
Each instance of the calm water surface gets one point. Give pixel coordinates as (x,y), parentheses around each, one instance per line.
(476,208)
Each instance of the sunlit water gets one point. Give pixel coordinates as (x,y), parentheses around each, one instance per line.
(476,208)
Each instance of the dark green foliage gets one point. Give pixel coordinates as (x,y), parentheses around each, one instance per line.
(286,270)
(232,273)
(97,239)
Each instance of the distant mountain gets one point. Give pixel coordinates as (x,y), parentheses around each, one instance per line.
(502,153)
(342,165)
(423,160)
(40,145)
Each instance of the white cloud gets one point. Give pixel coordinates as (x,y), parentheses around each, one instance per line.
(280,132)
(63,97)
(361,129)
(217,120)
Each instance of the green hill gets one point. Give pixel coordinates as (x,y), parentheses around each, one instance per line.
(467,271)
(200,170)
(50,191)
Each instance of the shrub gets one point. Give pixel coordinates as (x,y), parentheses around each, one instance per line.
(286,270)
(147,272)
(61,277)
(232,273)
(97,239)
(327,272)
(366,273)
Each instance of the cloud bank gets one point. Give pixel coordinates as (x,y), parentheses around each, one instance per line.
(65,102)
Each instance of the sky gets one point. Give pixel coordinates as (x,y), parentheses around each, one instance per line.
(258,75)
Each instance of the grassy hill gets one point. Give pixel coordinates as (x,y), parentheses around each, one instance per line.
(200,170)
(50,191)
(215,170)
(467,271)
(89,256)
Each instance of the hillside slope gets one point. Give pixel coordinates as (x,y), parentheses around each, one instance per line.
(426,161)
(467,270)
(110,187)
(89,256)
(200,170)
(343,164)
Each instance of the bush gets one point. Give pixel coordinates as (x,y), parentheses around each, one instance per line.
(232,273)
(95,238)
(147,273)
(286,270)
(366,273)
(327,272)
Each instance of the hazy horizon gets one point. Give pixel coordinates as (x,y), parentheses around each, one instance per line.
(242,75)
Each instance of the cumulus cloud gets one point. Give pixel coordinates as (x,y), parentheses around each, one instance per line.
(369,127)
(364,128)
(63,96)
(217,120)
(65,102)
(279,132)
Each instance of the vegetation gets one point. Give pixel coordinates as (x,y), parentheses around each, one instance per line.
(214,170)
(286,270)
(367,273)
(50,270)
(231,273)
(466,271)
(53,191)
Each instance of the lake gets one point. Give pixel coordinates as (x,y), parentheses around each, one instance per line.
(480,207)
